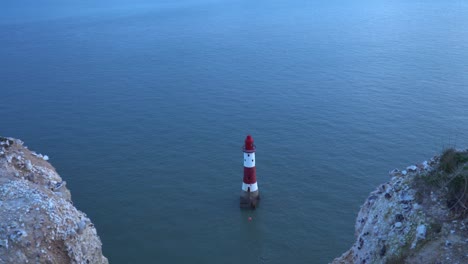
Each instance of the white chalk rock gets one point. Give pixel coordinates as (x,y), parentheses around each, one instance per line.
(45,157)
(28,205)
(406,197)
(28,165)
(426,166)
(421,232)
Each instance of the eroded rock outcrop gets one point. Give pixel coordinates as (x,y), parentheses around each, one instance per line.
(419,216)
(38,222)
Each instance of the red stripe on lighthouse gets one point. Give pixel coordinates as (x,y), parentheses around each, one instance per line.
(250,176)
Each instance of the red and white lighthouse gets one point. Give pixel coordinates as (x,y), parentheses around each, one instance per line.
(249,194)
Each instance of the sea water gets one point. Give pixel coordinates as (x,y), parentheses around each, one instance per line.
(143,106)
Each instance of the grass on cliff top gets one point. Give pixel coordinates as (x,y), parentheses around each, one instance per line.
(450,179)
(451,160)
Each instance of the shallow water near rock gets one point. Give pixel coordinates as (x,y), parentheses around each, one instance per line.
(143,107)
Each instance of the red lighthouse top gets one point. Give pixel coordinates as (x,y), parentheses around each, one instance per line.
(249,146)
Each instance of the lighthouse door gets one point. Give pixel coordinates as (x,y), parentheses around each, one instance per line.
(248,189)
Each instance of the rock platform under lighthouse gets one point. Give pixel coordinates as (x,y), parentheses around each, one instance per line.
(249,194)
(249,200)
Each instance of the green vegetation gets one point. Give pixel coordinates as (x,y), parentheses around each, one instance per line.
(450,179)
(451,159)
(396,259)
(435,227)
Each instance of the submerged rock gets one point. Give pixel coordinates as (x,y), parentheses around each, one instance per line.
(38,222)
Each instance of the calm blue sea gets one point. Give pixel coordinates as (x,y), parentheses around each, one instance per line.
(143,107)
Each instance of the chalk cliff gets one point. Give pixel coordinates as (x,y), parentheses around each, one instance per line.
(419,216)
(38,222)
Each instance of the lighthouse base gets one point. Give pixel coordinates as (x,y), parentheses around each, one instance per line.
(249,199)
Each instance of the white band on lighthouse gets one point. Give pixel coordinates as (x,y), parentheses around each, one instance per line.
(253,187)
(249,160)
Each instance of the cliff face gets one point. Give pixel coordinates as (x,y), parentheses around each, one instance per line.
(38,222)
(419,216)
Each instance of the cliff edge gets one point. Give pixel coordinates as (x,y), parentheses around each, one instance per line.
(38,222)
(419,216)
